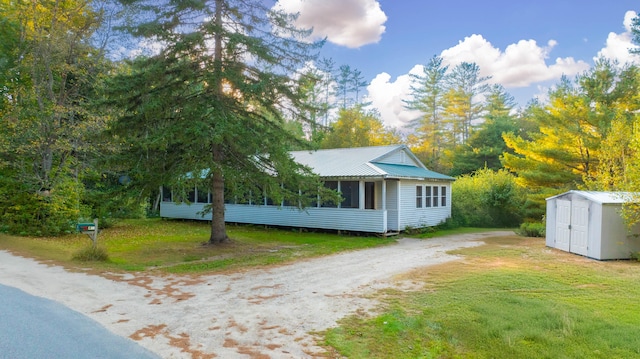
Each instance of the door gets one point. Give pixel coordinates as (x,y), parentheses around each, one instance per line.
(579,227)
(391,192)
(563,224)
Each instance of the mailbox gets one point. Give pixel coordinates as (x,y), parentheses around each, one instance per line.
(86,227)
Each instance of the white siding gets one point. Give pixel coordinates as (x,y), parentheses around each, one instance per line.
(616,240)
(182,211)
(347,219)
(425,216)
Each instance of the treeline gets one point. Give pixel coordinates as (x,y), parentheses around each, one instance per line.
(83,135)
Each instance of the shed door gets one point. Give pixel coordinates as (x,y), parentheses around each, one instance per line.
(563,224)
(579,227)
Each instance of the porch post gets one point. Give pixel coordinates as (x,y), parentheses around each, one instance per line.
(361,194)
(384,195)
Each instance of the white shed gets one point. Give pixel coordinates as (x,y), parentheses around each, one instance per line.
(589,223)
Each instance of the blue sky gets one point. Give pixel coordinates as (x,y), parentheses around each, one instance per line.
(525,46)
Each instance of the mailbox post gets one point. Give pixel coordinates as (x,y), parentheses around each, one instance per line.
(90,229)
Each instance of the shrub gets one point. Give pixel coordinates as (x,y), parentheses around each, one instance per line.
(532,229)
(487,198)
(91,254)
(28,211)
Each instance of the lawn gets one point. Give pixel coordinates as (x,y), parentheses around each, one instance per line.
(177,246)
(512,298)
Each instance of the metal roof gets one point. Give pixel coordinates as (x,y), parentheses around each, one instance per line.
(604,197)
(361,162)
(404,171)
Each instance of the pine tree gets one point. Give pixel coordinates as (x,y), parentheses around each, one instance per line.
(213,101)
(427,96)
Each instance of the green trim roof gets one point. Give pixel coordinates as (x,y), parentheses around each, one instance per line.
(404,171)
(394,161)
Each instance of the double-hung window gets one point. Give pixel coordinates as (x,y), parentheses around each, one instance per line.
(443,196)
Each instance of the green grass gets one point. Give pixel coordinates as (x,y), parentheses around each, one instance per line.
(178,246)
(513,298)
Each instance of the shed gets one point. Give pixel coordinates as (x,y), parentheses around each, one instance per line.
(589,223)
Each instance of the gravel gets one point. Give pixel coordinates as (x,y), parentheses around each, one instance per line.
(256,313)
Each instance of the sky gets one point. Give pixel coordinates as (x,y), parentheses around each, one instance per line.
(526,46)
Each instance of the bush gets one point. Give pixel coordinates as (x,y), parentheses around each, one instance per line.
(487,199)
(28,211)
(532,229)
(91,254)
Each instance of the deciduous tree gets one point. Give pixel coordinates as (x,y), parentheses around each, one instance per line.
(356,127)
(48,72)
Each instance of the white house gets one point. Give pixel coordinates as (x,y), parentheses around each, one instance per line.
(589,223)
(386,189)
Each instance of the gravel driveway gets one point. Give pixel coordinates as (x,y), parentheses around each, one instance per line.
(249,314)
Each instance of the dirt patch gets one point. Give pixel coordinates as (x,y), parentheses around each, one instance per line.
(258,313)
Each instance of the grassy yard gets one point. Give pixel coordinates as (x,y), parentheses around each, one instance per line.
(513,298)
(177,246)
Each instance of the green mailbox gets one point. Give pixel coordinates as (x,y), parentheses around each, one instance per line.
(86,227)
(90,229)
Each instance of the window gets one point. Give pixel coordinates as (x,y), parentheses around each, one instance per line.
(351,193)
(330,185)
(191,196)
(443,196)
(435,196)
(418,196)
(427,196)
(202,195)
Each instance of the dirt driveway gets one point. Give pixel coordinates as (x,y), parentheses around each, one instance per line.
(250,314)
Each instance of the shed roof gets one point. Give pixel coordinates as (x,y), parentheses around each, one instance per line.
(603,197)
(362,162)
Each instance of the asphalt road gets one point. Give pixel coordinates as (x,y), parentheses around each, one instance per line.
(35,327)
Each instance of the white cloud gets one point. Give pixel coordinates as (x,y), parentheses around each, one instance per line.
(519,65)
(618,45)
(386,97)
(351,23)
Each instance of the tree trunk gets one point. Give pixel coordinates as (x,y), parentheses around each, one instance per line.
(218,229)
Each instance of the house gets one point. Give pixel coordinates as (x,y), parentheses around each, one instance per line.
(589,223)
(385,189)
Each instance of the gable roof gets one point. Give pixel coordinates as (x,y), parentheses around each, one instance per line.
(366,162)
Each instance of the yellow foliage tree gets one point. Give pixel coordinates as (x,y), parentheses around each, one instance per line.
(358,128)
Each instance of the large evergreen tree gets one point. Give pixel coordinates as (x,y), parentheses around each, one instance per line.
(213,101)
(427,93)
(578,143)
(486,145)
(463,100)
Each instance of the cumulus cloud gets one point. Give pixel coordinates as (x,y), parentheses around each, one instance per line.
(387,97)
(351,23)
(519,65)
(618,45)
